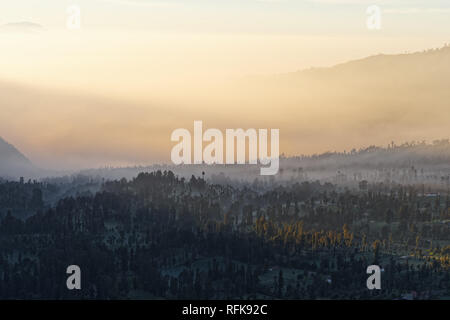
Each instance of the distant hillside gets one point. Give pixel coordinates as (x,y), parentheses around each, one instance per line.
(382,98)
(425,63)
(13,163)
(414,78)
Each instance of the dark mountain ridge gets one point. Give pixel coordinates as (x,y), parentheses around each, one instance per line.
(13,163)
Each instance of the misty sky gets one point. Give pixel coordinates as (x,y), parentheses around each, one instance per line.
(182,39)
(156,58)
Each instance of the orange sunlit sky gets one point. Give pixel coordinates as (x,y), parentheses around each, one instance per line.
(110,92)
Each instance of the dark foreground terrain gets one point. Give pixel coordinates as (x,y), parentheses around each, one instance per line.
(160,236)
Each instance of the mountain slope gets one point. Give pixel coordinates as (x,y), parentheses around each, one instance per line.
(13,163)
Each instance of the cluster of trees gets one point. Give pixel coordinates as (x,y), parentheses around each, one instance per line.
(162,236)
(22,198)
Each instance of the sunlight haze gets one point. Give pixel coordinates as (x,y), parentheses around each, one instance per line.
(111,92)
